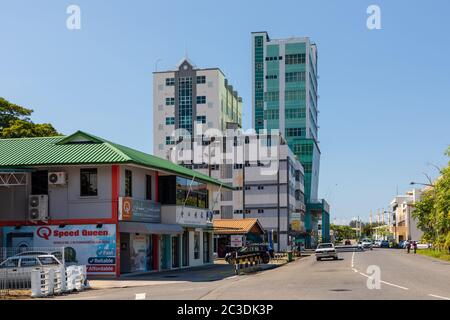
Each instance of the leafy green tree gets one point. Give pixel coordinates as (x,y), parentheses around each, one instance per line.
(342,232)
(11,112)
(15,122)
(433,210)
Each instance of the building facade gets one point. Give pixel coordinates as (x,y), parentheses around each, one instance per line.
(191,99)
(109,206)
(284,97)
(403,224)
(270,190)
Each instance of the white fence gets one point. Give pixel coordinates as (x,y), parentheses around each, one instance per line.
(43,280)
(56,281)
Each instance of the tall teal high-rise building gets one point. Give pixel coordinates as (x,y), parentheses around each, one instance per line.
(284,97)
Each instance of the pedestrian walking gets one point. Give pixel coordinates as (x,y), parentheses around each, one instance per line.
(408,246)
(415,246)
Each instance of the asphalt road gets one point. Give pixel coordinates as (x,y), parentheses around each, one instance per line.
(403,276)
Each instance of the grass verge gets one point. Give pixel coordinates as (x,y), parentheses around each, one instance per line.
(439,254)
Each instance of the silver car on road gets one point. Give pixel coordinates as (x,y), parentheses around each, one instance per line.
(326,250)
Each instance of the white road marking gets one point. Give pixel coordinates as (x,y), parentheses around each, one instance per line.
(354,270)
(440,297)
(394,285)
(385,282)
(363,274)
(353,258)
(140,296)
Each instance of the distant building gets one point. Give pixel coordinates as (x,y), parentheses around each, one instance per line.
(188,98)
(404,226)
(200,99)
(285,97)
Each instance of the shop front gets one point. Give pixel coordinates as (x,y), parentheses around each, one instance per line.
(188,207)
(145,242)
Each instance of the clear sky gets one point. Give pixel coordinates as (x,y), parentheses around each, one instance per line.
(384,94)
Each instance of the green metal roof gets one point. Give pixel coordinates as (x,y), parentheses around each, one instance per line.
(83,148)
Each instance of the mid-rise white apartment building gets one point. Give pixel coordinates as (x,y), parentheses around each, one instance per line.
(188,98)
(404,226)
(198,100)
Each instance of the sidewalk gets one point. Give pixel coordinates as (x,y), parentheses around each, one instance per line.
(214,272)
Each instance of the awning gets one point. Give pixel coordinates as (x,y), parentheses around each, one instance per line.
(149,228)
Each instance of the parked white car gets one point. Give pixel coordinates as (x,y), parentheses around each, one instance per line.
(423,245)
(326,250)
(17,269)
(367,244)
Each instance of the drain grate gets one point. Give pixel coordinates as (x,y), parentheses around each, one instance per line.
(340,290)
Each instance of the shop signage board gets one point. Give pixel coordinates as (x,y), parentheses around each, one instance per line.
(138,210)
(236,241)
(193,216)
(84,244)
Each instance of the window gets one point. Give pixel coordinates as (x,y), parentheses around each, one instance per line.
(260,187)
(260,210)
(169,140)
(247,188)
(185,103)
(170,120)
(271,76)
(307,166)
(294,95)
(294,132)
(128,183)
(196,197)
(10,263)
(258,41)
(170,81)
(48,261)
(196,245)
(88,182)
(201,119)
(201,99)
(298,58)
(306,149)
(201,79)
(170,101)
(295,113)
(29,262)
(271,114)
(259,84)
(148,187)
(295,76)
(271,96)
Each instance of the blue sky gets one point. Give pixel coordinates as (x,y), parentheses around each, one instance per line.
(384,94)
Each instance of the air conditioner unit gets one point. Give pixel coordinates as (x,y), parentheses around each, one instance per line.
(38,207)
(57,178)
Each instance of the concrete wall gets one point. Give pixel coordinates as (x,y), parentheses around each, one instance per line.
(65,201)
